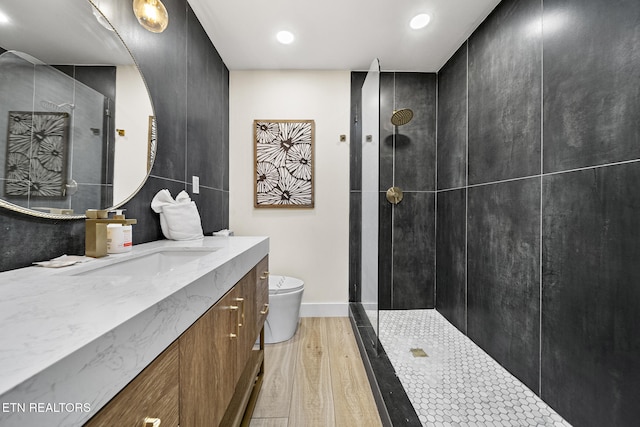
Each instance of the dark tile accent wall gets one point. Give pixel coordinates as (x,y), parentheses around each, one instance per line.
(406,273)
(591,57)
(591,296)
(414,251)
(355,246)
(415,142)
(175,64)
(355,153)
(583,320)
(387,105)
(355,178)
(452,121)
(503,283)
(407,159)
(504,93)
(385,254)
(451,261)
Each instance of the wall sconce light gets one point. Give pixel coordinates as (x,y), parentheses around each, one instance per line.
(151,14)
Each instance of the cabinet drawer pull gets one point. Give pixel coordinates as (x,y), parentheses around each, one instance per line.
(266,309)
(232,336)
(265,274)
(241,321)
(151,422)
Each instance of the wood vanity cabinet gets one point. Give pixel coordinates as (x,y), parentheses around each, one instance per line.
(208,353)
(262,292)
(153,394)
(210,376)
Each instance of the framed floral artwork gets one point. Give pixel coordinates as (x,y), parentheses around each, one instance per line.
(283,163)
(36,161)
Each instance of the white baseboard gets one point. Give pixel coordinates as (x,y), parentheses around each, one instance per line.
(338,309)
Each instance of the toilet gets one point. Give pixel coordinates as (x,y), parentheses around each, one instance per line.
(285,297)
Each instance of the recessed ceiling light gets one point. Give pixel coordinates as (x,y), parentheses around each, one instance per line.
(285,37)
(420,21)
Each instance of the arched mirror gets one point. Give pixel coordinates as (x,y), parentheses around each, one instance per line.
(77,128)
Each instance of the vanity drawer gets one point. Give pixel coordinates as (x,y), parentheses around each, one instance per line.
(262,291)
(152,395)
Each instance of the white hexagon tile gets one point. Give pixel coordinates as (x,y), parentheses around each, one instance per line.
(456,383)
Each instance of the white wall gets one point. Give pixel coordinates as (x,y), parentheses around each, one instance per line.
(313,244)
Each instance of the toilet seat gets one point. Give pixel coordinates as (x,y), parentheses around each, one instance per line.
(279,285)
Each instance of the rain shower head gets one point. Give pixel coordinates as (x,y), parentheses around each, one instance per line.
(401,117)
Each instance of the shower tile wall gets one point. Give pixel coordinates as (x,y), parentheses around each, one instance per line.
(550,288)
(178,65)
(503,281)
(406,231)
(504,105)
(355,193)
(406,252)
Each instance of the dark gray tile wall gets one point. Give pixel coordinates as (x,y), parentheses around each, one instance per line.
(355,178)
(561,316)
(414,251)
(415,142)
(503,284)
(504,93)
(385,254)
(451,262)
(387,105)
(406,274)
(452,121)
(591,295)
(591,75)
(176,65)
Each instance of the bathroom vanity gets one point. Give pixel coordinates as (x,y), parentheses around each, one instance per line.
(166,332)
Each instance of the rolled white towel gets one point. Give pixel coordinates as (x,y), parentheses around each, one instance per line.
(179,219)
(161,199)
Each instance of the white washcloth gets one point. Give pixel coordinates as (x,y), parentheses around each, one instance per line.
(63,261)
(179,219)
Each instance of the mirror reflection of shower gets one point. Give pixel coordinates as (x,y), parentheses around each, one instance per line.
(65,107)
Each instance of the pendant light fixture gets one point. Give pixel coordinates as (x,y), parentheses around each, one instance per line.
(151,14)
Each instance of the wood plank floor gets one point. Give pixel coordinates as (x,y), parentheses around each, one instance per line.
(316,379)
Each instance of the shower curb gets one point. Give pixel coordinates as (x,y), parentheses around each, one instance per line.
(393,404)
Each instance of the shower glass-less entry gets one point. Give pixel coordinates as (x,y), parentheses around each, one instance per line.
(370,192)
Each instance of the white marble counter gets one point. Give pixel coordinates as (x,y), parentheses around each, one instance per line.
(69,343)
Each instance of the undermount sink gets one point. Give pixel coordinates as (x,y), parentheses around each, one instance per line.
(152,264)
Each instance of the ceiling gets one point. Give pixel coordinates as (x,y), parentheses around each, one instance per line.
(339,34)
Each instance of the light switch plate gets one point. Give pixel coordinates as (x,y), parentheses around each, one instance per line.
(195,182)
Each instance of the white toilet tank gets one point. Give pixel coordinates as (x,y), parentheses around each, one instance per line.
(285,297)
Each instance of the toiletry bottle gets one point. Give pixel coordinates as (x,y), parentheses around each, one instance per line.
(127,231)
(115,239)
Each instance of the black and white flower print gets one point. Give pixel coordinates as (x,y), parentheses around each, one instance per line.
(284,162)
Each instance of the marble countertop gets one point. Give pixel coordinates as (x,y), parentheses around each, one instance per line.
(69,343)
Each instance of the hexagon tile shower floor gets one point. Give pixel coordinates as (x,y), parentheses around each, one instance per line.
(456,383)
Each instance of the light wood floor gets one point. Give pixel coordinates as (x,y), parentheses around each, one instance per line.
(316,379)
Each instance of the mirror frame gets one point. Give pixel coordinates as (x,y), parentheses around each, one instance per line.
(150,161)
